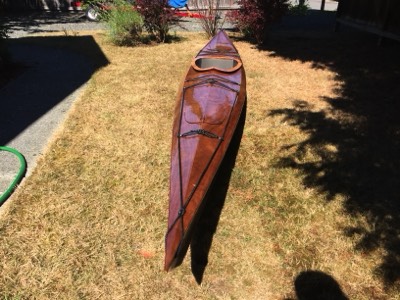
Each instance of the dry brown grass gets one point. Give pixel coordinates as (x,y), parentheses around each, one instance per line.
(89,223)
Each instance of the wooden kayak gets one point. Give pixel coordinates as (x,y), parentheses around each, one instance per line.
(209,105)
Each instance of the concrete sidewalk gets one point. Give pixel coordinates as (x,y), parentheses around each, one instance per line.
(35,103)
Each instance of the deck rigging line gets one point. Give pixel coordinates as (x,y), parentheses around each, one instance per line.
(200,80)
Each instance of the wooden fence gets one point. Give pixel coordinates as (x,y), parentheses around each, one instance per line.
(381,17)
(222,4)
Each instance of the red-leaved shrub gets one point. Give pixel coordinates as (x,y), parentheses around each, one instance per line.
(157,17)
(254,16)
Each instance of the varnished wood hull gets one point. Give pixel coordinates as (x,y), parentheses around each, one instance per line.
(209,105)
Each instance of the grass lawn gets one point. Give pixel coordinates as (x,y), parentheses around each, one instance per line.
(313,197)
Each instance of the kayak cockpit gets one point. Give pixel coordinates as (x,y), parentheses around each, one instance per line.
(216,63)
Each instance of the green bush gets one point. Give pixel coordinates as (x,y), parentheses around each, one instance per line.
(124,25)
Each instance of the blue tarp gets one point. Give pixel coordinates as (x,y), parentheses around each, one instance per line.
(177,3)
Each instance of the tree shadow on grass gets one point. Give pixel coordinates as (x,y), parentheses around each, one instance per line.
(357,139)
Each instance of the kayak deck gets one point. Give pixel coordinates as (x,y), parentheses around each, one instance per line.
(209,105)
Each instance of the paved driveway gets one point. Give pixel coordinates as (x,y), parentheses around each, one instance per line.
(24,24)
(35,103)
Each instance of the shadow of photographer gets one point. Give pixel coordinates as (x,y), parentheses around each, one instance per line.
(317,285)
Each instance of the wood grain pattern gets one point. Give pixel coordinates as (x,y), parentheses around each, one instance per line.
(209,106)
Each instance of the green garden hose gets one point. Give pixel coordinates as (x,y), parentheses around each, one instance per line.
(20,174)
